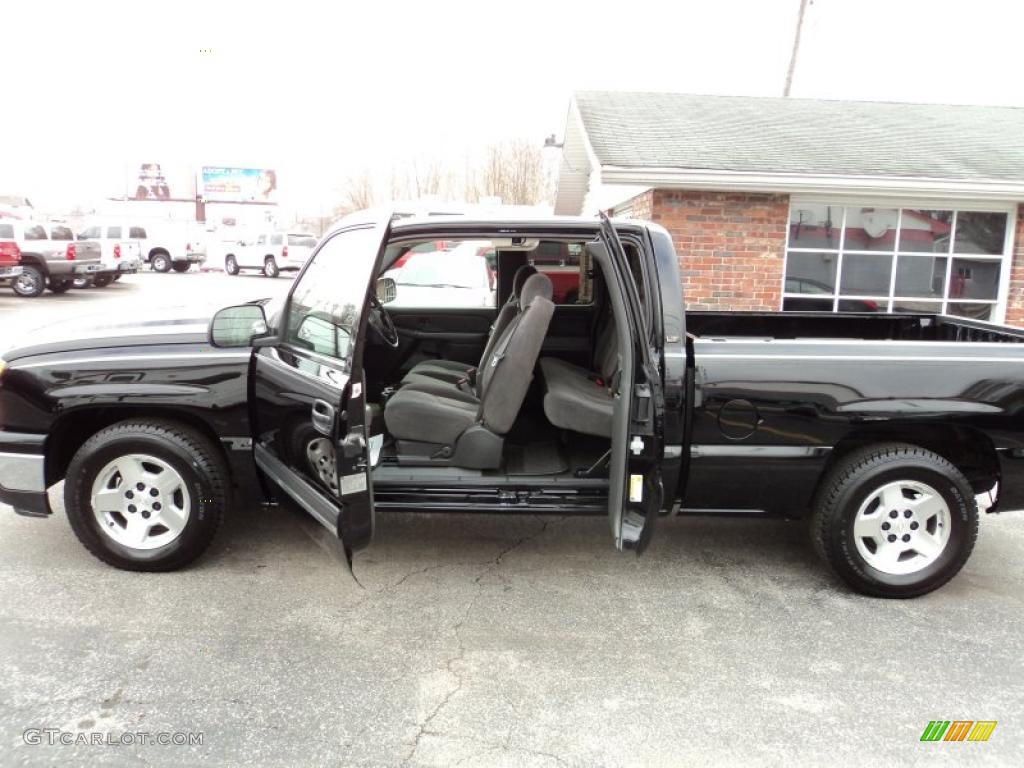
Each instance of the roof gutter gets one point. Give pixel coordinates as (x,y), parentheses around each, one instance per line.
(816,184)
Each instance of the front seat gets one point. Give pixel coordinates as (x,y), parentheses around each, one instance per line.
(451,371)
(438,424)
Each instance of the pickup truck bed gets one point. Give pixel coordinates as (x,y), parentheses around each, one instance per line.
(864,327)
(784,392)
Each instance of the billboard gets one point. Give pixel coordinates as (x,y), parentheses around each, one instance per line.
(154,181)
(238,185)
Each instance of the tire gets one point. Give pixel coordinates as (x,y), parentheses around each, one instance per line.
(160,262)
(182,266)
(117,277)
(231,265)
(82,282)
(30,283)
(102,281)
(859,496)
(270,267)
(60,286)
(185,469)
(310,450)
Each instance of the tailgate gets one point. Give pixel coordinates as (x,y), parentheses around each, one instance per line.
(87,251)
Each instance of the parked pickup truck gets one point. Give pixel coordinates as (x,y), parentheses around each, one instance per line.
(167,246)
(50,257)
(271,254)
(879,430)
(10,254)
(120,252)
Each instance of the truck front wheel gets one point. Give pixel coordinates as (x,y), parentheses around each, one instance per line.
(895,520)
(160,262)
(146,495)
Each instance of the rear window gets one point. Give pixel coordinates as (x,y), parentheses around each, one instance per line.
(561,262)
(35,232)
(89,233)
(304,240)
(61,233)
(6,230)
(138,232)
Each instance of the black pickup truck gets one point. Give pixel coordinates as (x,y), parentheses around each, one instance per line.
(608,398)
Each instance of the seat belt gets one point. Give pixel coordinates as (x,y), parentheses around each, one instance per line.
(499,353)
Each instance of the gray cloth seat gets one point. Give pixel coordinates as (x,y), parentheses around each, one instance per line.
(429,416)
(579,399)
(452,371)
(437,413)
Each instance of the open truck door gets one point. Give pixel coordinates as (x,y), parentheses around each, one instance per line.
(307,390)
(636,493)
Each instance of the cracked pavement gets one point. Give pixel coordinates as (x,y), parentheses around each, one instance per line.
(489,640)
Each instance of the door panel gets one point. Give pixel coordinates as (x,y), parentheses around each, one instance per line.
(308,399)
(636,494)
(450,334)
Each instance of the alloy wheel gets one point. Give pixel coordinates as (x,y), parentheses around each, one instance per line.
(140,501)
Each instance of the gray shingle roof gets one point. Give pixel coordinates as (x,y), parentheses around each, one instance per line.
(804,136)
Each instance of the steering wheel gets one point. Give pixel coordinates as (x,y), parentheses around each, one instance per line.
(382,323)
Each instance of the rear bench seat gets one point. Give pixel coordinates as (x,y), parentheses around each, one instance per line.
(582,400)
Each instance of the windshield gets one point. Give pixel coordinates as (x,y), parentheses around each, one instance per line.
(443,269)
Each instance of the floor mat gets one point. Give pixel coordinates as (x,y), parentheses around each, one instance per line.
(535,459)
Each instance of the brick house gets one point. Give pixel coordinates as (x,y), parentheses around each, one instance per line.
(799,204)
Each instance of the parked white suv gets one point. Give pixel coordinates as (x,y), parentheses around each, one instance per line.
(272,254)
(120,252)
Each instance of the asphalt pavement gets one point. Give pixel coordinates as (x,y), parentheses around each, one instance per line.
(490,640)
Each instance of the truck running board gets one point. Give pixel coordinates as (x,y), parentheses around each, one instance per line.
(417,498)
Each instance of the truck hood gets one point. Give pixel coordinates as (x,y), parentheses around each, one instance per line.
(171,325)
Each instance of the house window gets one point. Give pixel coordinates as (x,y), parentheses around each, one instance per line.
(888,259)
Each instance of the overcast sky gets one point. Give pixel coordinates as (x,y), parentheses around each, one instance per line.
(317,90)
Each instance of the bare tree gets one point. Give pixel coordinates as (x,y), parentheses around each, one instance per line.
(359,191)
(513,171)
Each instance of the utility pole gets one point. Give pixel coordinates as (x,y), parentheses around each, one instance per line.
(796,48)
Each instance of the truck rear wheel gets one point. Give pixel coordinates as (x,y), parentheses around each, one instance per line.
(182,266)
(231,265)
(270,268)
(146,495)
(30,283)
(61,286)
(895,520)
(102,281)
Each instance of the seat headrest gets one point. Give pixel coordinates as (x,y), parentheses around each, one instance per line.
(536,285)
(521,276)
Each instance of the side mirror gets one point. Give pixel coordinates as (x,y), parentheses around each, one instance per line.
(387,290)
(238,326)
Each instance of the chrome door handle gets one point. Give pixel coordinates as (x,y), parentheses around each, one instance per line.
(323,417)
